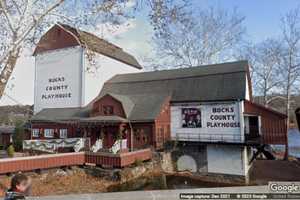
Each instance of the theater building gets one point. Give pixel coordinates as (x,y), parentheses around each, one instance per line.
(207,111)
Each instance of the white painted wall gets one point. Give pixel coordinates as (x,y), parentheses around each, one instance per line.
(65,64)
(248,153)
(247,89)
(206,132)
(226,159)
(71,64)
(107,69)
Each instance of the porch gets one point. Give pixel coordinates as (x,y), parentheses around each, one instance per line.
(105,140)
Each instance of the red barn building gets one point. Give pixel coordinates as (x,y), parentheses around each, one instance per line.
(202,105)
(6,133)
(210,108)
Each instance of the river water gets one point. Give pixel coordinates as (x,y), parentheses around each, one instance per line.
(294,143)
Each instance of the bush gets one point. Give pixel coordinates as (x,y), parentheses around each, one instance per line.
(18,135)
(10,151)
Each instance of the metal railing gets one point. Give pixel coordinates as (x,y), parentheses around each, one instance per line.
(200,137)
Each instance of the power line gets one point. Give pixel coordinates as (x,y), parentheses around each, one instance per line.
(17,102)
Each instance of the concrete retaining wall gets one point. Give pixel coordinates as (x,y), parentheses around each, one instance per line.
(225,159)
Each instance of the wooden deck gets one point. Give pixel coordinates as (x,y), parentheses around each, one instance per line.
(117,160)
(31,163)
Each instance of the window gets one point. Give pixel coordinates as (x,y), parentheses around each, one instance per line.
(108,110)
(63,133)
(35,132)
(49,133)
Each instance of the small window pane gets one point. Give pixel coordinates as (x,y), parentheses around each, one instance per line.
(35,132)
(63,133)
(49,133)
(108,110)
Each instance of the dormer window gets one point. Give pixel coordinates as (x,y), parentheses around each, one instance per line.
(108,110)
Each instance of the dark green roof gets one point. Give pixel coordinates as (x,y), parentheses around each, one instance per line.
(143,94)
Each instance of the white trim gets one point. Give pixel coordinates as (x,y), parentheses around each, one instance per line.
(35,132)
(35,87)
(49,134)
(63,133)
(242,122)
(259,125)
(82,78)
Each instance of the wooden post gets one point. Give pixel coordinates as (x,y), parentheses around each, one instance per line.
(131,136)
(286,155)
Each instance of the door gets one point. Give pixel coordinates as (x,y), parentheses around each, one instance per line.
(109,137)
(253,126)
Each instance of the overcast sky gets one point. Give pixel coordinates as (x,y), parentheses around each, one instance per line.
(262,21)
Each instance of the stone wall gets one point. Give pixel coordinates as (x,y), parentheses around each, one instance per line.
(188,157)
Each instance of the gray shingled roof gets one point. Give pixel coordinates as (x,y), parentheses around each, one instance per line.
(126,102)
(104,119)
(143,94)
(7,129)
(149,90)
(61,114)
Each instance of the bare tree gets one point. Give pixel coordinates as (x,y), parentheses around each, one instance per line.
(290,55)
(18,19)
(22,22)
(264,59)
(201,36)
(290,58)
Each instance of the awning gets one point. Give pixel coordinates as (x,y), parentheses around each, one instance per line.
(103,119)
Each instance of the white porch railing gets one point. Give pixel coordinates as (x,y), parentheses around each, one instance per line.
(118,145)
(97,146)
(51,145)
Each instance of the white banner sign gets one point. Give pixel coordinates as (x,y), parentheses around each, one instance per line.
(58,81)
(222,116)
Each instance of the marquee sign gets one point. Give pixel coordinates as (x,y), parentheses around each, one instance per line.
(213,121)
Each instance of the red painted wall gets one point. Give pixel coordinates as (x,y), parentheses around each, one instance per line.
(5,139)
(55,38)
(162,131)
(273,124)
(142,135)
(107,101)
(72,129)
